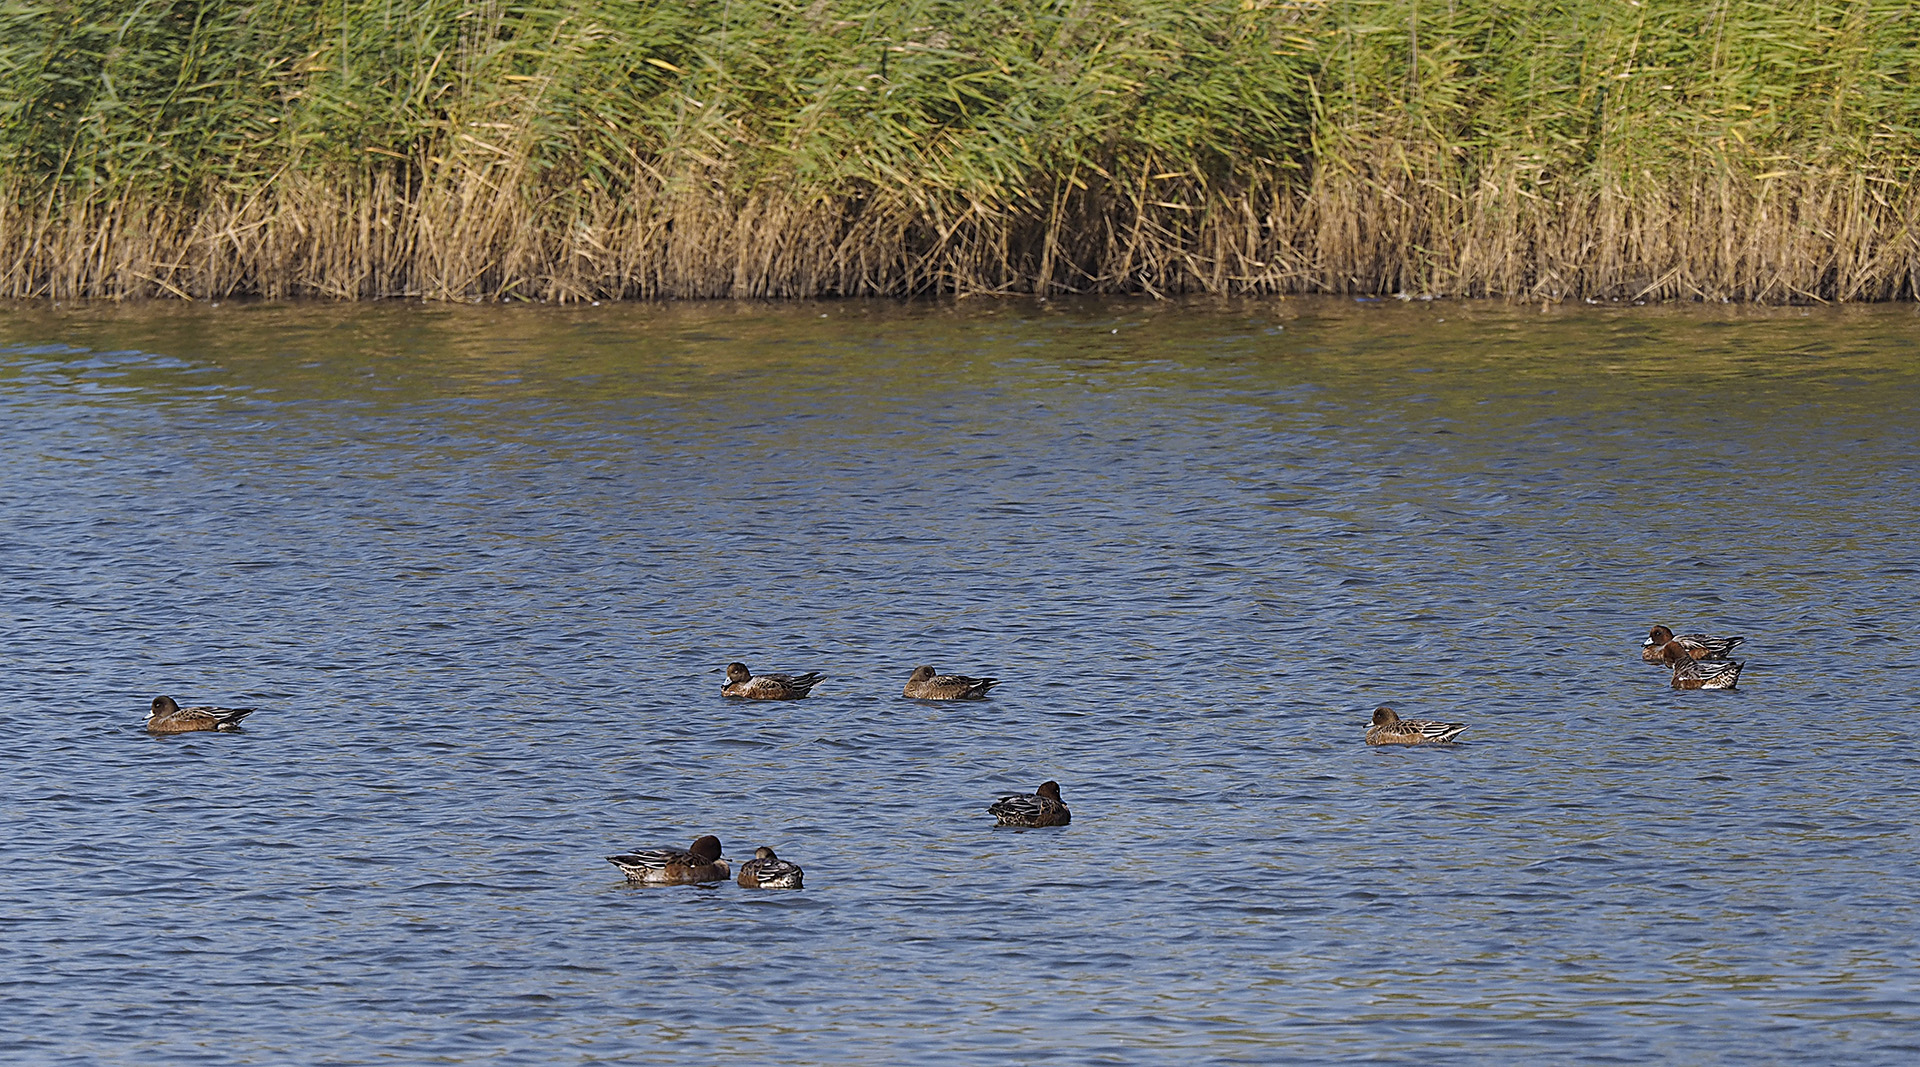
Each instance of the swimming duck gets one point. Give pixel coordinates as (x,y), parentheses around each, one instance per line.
(699,862)
(1390,729)
(1042,807)
(168,717)
(1699,646)
(742,682)
(924,684)
(1691,673)
(768,871)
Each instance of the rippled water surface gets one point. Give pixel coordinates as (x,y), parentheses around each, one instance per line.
(478,568)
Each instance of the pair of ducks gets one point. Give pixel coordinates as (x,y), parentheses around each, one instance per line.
(701,862)
(1697,661)
(924,683)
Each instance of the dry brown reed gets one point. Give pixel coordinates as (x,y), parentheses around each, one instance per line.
(1376,225)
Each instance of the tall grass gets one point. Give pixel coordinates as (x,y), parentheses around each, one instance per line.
(640,148)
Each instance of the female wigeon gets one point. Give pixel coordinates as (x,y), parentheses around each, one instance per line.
(167,717)
(768,871)
(924,684)
(1042,807)
(1699,646)
(699,862)
(1690,673)
(1390,729)
(742,682)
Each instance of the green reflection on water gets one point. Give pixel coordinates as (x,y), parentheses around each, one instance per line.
(744,352)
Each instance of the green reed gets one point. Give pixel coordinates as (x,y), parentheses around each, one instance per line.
(589,148)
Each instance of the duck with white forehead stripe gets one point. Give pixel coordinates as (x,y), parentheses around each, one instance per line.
(747,685)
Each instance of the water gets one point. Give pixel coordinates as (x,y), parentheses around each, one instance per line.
(478,569)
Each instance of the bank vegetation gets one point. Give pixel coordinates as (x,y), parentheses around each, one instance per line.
(590,149)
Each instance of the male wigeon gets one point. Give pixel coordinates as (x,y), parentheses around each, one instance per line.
(1699,646)
(1042,807)
(768,871)
(167,717)
(1690,673)
(742,682)
(924,684)
(1390,729)
(699,862)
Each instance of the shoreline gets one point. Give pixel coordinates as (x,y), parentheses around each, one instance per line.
(1121,308)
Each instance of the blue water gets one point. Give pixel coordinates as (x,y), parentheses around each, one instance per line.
(479,568)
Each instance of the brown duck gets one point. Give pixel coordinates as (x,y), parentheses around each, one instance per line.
(924,684)
(167,717)
(1042,807)
(1390,729)
(768,871)
(1691,673)
(699,862)
(1698,646)
(742,682)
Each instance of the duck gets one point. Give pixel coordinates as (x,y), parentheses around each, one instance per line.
(768,871)
(1691,673)
(742,682)
(167,717)
(698,862)
(1042,807)
(924,684)
(1390,729)
(1699,646)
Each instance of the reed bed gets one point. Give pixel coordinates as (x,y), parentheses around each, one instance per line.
(591,149)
